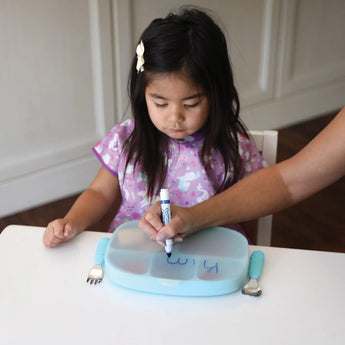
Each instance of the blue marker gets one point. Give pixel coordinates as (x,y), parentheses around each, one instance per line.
(166,215)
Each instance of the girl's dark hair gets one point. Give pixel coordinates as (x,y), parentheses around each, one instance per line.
(191,43)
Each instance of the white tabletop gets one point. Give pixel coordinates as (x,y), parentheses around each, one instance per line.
(44,299)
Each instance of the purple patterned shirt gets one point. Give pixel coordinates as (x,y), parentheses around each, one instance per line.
(188,180)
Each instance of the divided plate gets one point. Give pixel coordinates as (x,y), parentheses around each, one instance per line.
(210,262)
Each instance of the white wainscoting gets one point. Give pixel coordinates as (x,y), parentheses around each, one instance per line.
(57,97)
(310,64)
(64,68)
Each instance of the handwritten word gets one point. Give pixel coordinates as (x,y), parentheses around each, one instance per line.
(182,262)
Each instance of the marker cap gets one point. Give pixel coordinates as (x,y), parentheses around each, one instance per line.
(165,194)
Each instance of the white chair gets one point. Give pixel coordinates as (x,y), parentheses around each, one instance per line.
(267,143)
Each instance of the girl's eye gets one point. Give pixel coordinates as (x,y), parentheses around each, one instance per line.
(161,105)
(192,105)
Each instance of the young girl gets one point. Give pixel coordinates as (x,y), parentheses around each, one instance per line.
(185,134)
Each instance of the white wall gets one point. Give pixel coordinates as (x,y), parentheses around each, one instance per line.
(56,97)
(64,67)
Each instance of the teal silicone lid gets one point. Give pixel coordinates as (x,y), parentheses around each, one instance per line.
(210,262)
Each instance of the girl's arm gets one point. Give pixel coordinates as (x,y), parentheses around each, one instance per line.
(266,191)
(88,209)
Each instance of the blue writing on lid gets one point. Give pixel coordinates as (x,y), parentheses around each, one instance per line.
(207,266)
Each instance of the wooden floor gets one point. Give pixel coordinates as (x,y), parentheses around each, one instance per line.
(317,223)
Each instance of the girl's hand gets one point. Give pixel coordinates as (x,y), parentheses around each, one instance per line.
(58,231)
(180,225)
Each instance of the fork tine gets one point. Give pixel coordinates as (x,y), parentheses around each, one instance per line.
(96,273)
(93,281)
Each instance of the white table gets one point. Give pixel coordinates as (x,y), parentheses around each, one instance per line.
(44,299)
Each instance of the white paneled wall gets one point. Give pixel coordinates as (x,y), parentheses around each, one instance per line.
(64,67)
(309,66)
(56,97)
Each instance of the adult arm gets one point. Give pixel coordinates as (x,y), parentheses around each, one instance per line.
(319,164)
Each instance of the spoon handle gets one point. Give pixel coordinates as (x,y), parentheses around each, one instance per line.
(256,263)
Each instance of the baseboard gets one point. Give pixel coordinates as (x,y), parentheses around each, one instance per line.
(296,107)
(46,185)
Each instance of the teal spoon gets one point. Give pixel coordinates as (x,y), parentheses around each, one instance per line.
(255,267)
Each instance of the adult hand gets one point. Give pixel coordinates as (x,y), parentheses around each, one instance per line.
(180,225)
(58,231)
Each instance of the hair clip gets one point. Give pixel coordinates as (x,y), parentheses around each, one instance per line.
(140,57)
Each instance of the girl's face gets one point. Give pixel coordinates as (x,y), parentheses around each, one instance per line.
(176,106)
